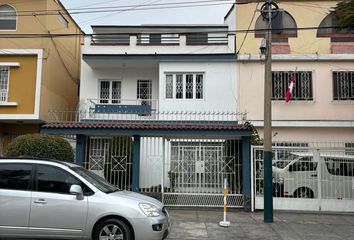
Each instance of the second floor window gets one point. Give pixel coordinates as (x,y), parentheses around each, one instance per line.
(4,83)
(343,85)
(7,17)
(303,87)
(110,91)
(184,86)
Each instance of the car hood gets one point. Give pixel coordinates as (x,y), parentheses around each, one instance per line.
(138,197)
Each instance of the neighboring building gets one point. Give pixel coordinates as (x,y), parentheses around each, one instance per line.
(36,73)
(158,107)
(322,106)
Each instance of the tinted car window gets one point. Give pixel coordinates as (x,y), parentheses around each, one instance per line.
(15,176)
(55,180)
(304,164)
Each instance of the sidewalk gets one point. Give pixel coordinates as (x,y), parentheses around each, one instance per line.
(203,224)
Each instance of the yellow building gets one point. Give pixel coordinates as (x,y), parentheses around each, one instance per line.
(37,72)
(305,46)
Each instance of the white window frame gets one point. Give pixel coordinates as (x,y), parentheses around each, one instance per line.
(174,85)
(110,100)
(16,18)
(339,98)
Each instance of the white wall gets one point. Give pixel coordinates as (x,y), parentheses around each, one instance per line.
(89,87)
(219,87)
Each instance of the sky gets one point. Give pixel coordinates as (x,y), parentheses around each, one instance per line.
(212,14)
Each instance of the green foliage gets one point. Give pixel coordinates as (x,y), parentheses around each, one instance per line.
(344,11)
(41,146)
(173,177)
(255,139)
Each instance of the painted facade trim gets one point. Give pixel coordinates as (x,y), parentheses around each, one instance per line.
(259,123)
(39,53)
(8,104)
(298,57)
(9,64)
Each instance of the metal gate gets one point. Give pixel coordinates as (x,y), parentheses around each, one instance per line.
(111,158)
(308,177)
(197,169)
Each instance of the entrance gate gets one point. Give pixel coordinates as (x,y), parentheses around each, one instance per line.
(306,178)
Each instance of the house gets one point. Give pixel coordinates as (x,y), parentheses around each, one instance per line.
(158,113)
(38,72)
(307,45)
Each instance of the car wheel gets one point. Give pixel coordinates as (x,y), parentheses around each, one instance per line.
(113,229)
(303,193)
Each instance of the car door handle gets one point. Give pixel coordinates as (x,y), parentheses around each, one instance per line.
(314,175)
(40,201)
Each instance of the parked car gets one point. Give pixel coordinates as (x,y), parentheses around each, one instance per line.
(59,200)
(302,177)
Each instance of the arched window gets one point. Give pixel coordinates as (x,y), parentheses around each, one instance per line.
(7,17)
(336,34)
(283,26)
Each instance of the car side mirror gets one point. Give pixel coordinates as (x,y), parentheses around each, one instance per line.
(77,190)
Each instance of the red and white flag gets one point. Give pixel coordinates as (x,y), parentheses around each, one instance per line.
(290,88)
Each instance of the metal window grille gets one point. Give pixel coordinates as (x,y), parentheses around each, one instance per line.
(4,83)
(179,86)
(104,91)
(116,91)
(189,86)
(144,91)
(169,86)
(7,17)
(343,85)
(199,86)
(303,86)
(349,148)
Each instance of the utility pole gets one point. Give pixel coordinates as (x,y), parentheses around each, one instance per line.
(267,12)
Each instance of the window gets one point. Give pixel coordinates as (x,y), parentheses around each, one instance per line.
(155,39)
(303,164)
(185,85)
(110,91)
(326,29)
(106,39)
(349,148)
(144,89)
(63,20)
(197,39)
(7,17)
(343,85)
(54,180)
(283,27)
(4,83)
(340,167)
(169,86)
(303,86)
(15,176)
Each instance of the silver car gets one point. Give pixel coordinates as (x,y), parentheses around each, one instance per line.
(54,199)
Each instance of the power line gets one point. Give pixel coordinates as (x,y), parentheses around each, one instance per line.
(136,7)
(229,32)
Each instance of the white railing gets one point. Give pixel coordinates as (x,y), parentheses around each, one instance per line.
(183,117)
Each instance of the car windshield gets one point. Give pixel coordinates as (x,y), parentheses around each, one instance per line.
(95,180)
(281,163)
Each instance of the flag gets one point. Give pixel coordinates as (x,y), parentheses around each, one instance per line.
(290,88)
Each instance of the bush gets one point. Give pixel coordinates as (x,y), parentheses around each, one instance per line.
(41,146)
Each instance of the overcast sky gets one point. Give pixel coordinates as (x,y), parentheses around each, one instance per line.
(213,14)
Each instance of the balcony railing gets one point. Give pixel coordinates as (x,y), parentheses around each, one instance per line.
(3,96)
(182,117)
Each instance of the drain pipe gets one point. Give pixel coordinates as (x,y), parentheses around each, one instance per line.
(225,223)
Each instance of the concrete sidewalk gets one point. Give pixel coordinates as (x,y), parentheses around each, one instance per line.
(203,224)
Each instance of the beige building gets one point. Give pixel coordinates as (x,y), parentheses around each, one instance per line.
(37,72)
(322,105)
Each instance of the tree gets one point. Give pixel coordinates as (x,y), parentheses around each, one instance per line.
(344,12)
(41,146)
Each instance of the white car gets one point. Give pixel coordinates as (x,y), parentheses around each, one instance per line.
(58,200)
(303,176)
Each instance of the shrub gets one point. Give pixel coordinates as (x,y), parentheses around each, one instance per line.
(41,146)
